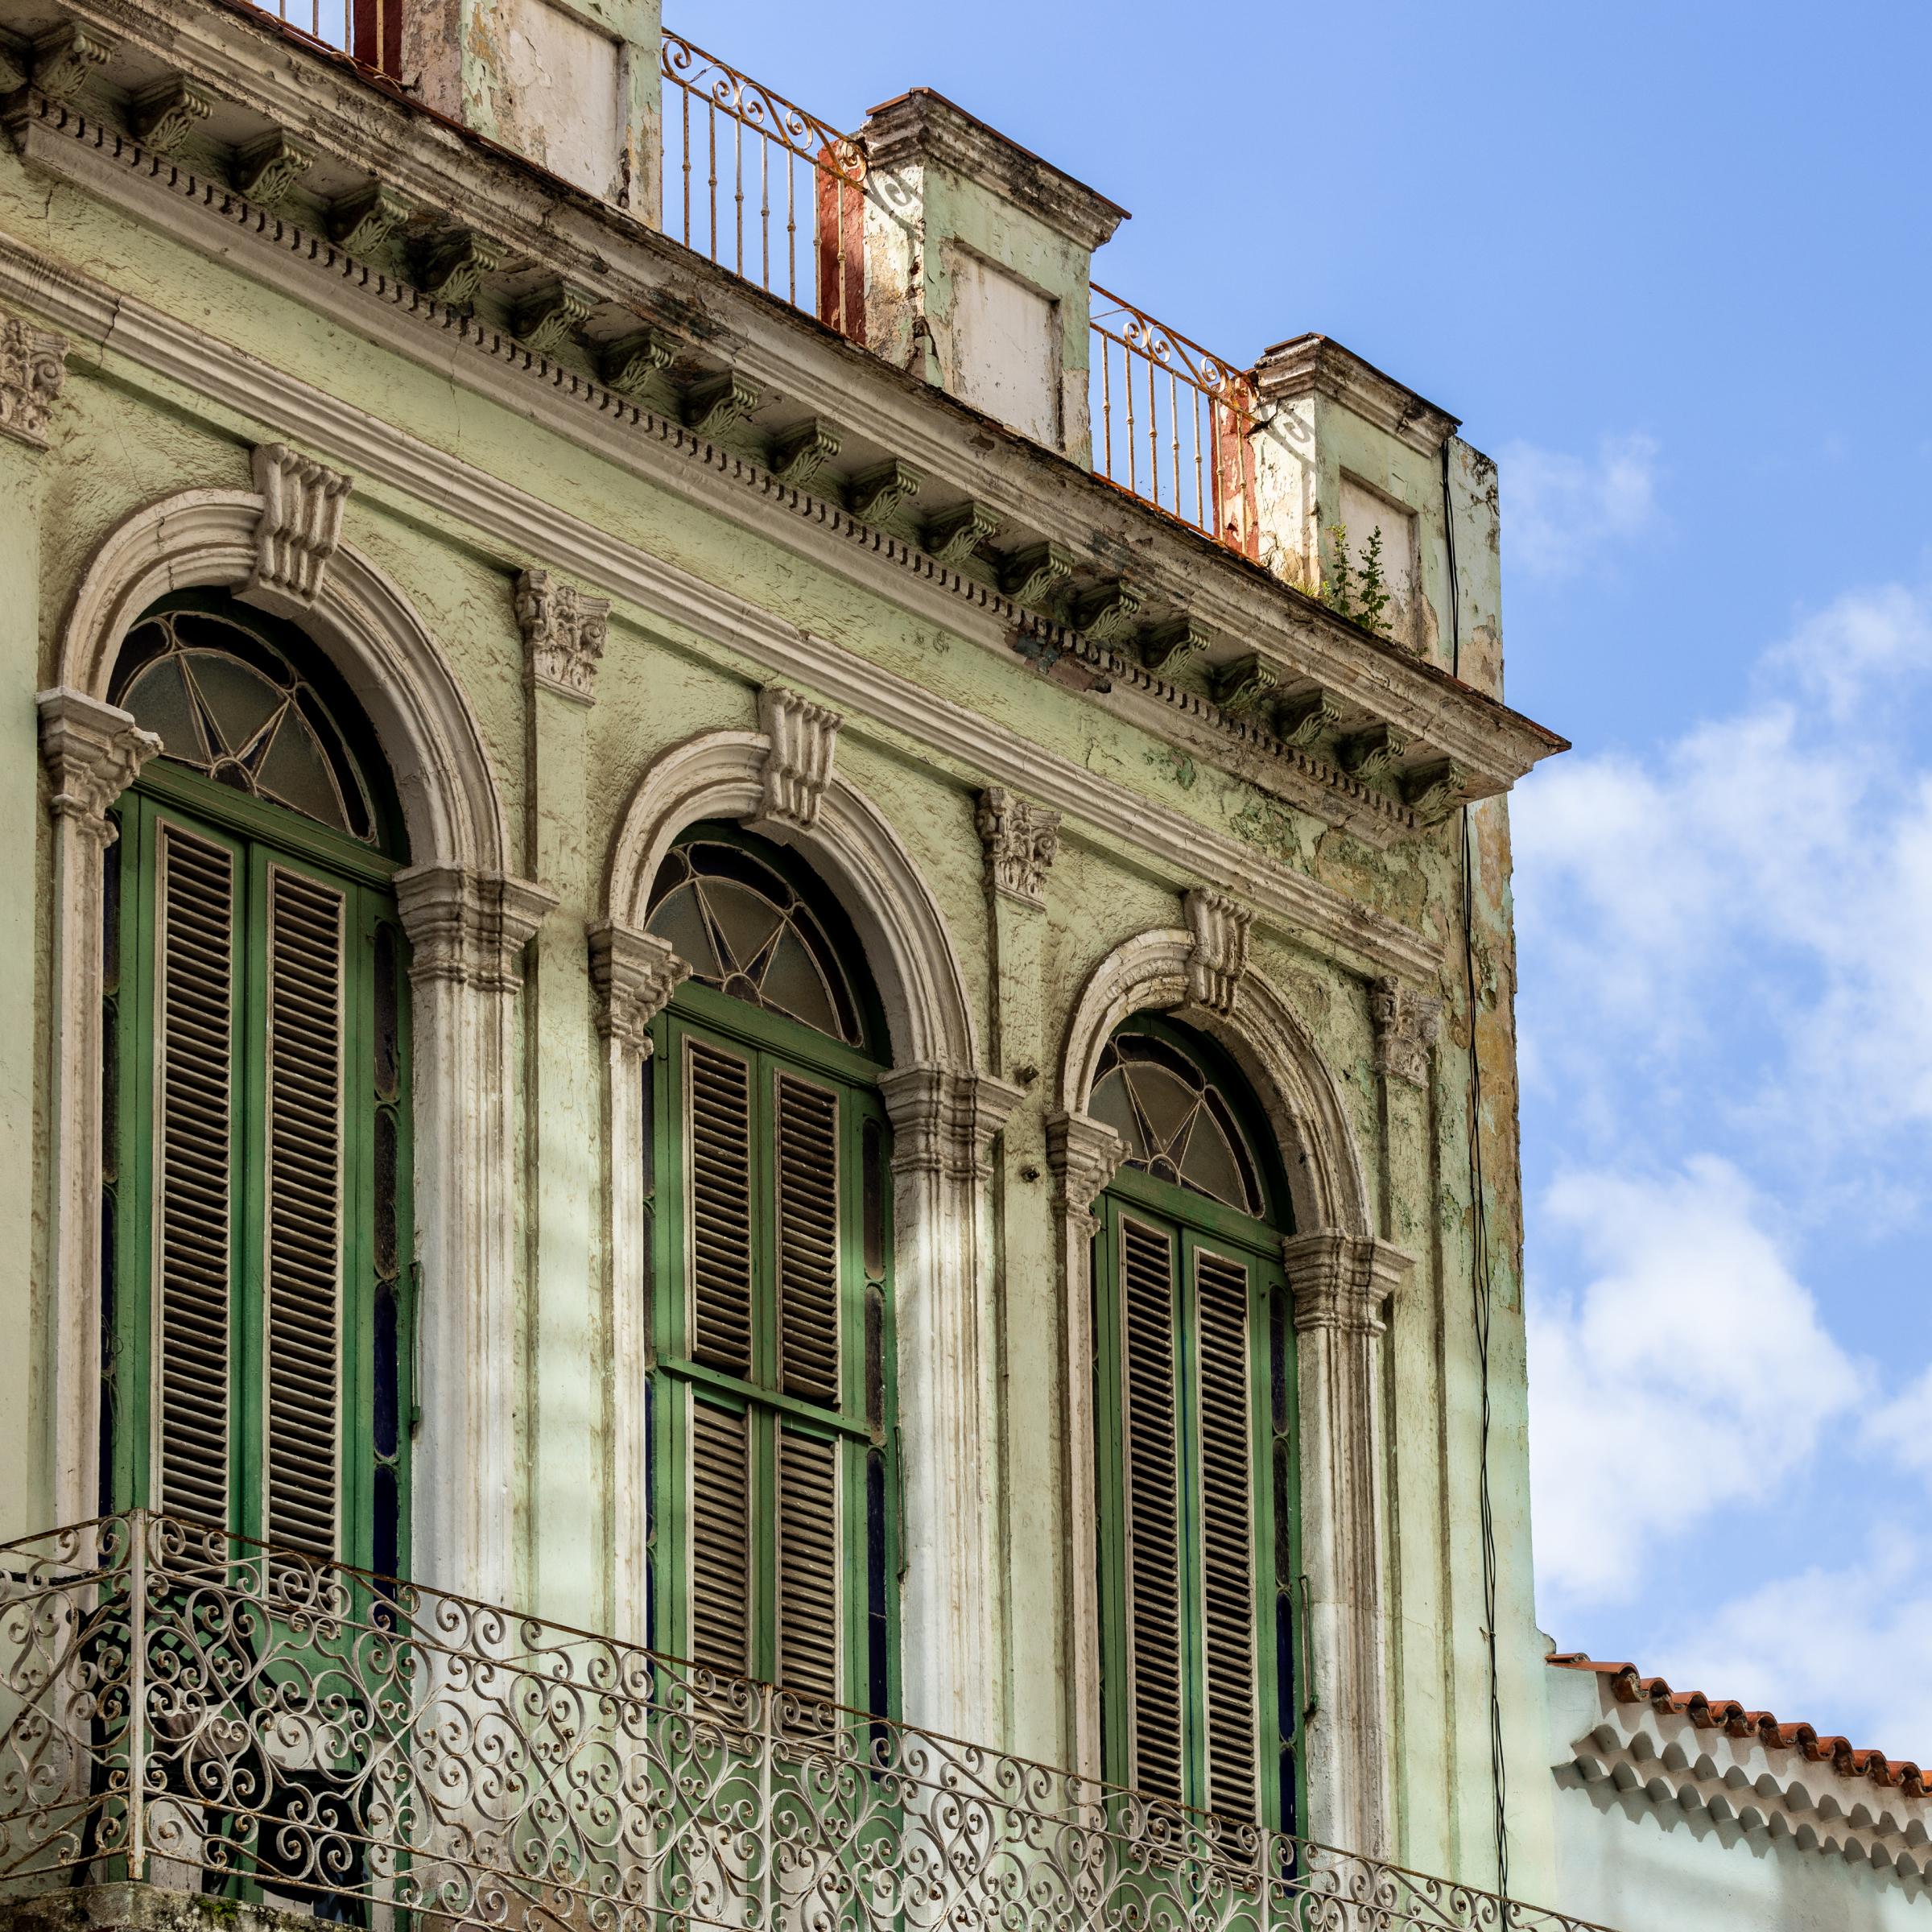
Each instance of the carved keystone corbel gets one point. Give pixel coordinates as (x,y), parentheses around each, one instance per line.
(1406,1023)
(638,366)
(266,170)
(564,629)
(715,405)
(93,753)
(878,494)
(1082,1155)
(1301,720)
(1434,791)
(1034,576)
(1241,688)
(360,222)
(1375,752)
(66,57)
(634,974)
(32,367)
(450,267)
(1107,613)
(166,113)
(799,451)
(1022,840)
(551,315)
(798,760)
(298,531)
(1169,648)
(1220,955)
(955,535)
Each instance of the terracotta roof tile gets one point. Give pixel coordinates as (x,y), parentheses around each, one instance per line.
(1728,1715)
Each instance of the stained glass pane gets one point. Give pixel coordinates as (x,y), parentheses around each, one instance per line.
(745,922)
(1174,1122)
(293,771)
(1111,1105)
(239,699)
(159,702)
(679,922)
(1208,1166)
(740,926)
(1166,1099)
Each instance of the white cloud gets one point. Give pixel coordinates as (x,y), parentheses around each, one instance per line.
(1689,1372)
(1767,878)
(1901,1428)
(1847,1649)
(1560,511)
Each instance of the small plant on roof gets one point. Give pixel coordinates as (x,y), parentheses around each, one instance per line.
(1358,591)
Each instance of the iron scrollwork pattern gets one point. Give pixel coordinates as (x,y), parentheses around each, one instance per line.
(188,1707)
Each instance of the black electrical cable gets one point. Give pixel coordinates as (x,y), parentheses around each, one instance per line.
(1481,1278)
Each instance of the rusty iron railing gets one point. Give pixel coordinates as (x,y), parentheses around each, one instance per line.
(368,30)
(182,1707)
(762,187)
(1172,422)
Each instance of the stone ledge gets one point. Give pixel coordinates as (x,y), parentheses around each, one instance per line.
(127,1907)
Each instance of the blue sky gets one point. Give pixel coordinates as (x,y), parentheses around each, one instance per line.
(1669,265)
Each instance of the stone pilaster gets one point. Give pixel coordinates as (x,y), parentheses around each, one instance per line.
(1341,1285)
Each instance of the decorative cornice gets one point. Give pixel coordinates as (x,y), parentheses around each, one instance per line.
(1406,1022)
(798,761)
(32,367)
(1107,613)
(1220,954)
(1502,744)
(638,366)
(514,519)
(360,223)
(469,928)
(1301,721)
(1168,650)
(551,315)
(450,267)
(299,528)
(1434,791)
(1083,1155)
(878,494)
(943,1122)
(1342,1281)
(799,452)
(954,536)
(1318,365)
(1034,576)
(93,753)
(634,975)
(1243,687)
(924,129)
(564,632)
(1375,752)
(67,56)
(1022,839)
(714,405)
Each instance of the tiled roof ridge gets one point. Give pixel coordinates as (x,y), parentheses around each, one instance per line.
(1728,1715)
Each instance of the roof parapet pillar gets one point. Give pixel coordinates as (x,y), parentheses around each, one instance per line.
(978,262)
(1343,451)
(573,85)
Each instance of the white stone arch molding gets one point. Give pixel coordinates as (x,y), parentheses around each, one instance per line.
(1341,1277)
(279,546)
(779,780)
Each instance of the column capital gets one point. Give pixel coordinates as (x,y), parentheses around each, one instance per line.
(32,367)
(1342,1281)
(634,974)
(93,753)
(1083,1154)
(469,927)
(1406,1023)
(1022,840)
(944,1120)
(564,631)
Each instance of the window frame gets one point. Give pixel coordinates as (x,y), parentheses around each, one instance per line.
(870,1531)
(1195,1224)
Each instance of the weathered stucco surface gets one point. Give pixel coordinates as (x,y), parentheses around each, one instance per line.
(134,428)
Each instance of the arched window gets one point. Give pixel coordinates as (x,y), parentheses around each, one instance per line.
(258,1218)
(768,1185)
(1194,1382)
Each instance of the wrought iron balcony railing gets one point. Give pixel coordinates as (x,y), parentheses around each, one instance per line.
(186,1708)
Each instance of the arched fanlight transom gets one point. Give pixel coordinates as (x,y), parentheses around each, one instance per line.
(1176,1121)
(225,700)
(743,927)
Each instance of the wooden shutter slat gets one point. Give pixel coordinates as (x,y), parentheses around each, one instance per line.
(1153,1511)
(193,1103)
(808,1565)
(717,1088)
(1227,1533)
(721,1565)
(806,1142)
(303,1232)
